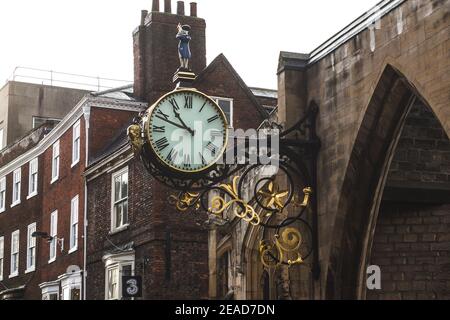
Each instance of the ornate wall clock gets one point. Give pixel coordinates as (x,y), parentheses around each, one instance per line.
(186,131)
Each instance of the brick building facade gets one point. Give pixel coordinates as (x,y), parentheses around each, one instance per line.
(51,161)
(168,249)
(383,173)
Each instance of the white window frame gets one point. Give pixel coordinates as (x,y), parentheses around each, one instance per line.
(15,254)
(70,281)
(31,248)
(2,257)
(115,229)
(53,245)
(76,143)
(231,100)
(50,288)
(55,161)
(118,262)
(33,172)
(2,194)
(17,186)
(2,134)
(74,215)
(45,120)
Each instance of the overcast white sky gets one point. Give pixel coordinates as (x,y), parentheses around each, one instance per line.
(93,37)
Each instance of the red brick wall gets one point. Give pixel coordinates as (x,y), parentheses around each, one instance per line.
(18,218)
(151,219)
(58,196)
(221,82)
(156,53)
(105,125)
(50,197)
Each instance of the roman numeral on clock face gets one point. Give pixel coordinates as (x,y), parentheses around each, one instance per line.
(211,147)
(172,155)
(213,118)
(188,102)
(187,161)
(161,115)
(162,143)
(174,103)
(201,109)
(203,159)
(159,129)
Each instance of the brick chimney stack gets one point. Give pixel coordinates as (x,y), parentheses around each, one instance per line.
(180,8)
(156,49)
(168,6)
(155,6)
(193,9)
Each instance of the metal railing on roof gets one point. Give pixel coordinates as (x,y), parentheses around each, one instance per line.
(65,79)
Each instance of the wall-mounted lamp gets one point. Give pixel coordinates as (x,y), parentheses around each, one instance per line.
(46,236)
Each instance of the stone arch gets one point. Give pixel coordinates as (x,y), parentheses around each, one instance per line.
(252,266)
(364,180)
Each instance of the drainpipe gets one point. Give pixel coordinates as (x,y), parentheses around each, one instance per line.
(87,114)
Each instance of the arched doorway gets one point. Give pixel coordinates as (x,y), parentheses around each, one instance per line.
(365,181)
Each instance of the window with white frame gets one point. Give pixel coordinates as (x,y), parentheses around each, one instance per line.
(14,254)
(55,161)
(17,177)
(2,256)
(74,224)
(119,197)
(76,143)
(71,286)
(117,267)
(31,248)
(39,121)
(33,178)
(2,194)
(1,139)
(226,104)
(50,290)
(53,234)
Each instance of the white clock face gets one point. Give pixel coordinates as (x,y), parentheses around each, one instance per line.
(187,131)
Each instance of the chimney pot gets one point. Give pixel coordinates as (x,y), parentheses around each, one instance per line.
(155,5)
(180,8)
(193,9)
(167,6)
(144,14)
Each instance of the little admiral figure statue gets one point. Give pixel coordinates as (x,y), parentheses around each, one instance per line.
(184,51)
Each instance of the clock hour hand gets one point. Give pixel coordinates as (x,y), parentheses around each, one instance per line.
(177,115)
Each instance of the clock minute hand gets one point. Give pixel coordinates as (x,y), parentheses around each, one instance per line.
(172,123)
(177,115)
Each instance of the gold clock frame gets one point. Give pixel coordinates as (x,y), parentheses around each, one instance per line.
(149,133)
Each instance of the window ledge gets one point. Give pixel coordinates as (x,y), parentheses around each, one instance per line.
(119,229)
(32,269)
(54,180)
(72,250)
(52,260)
(15,204)
(75,163)
(13,275)
(31,195)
